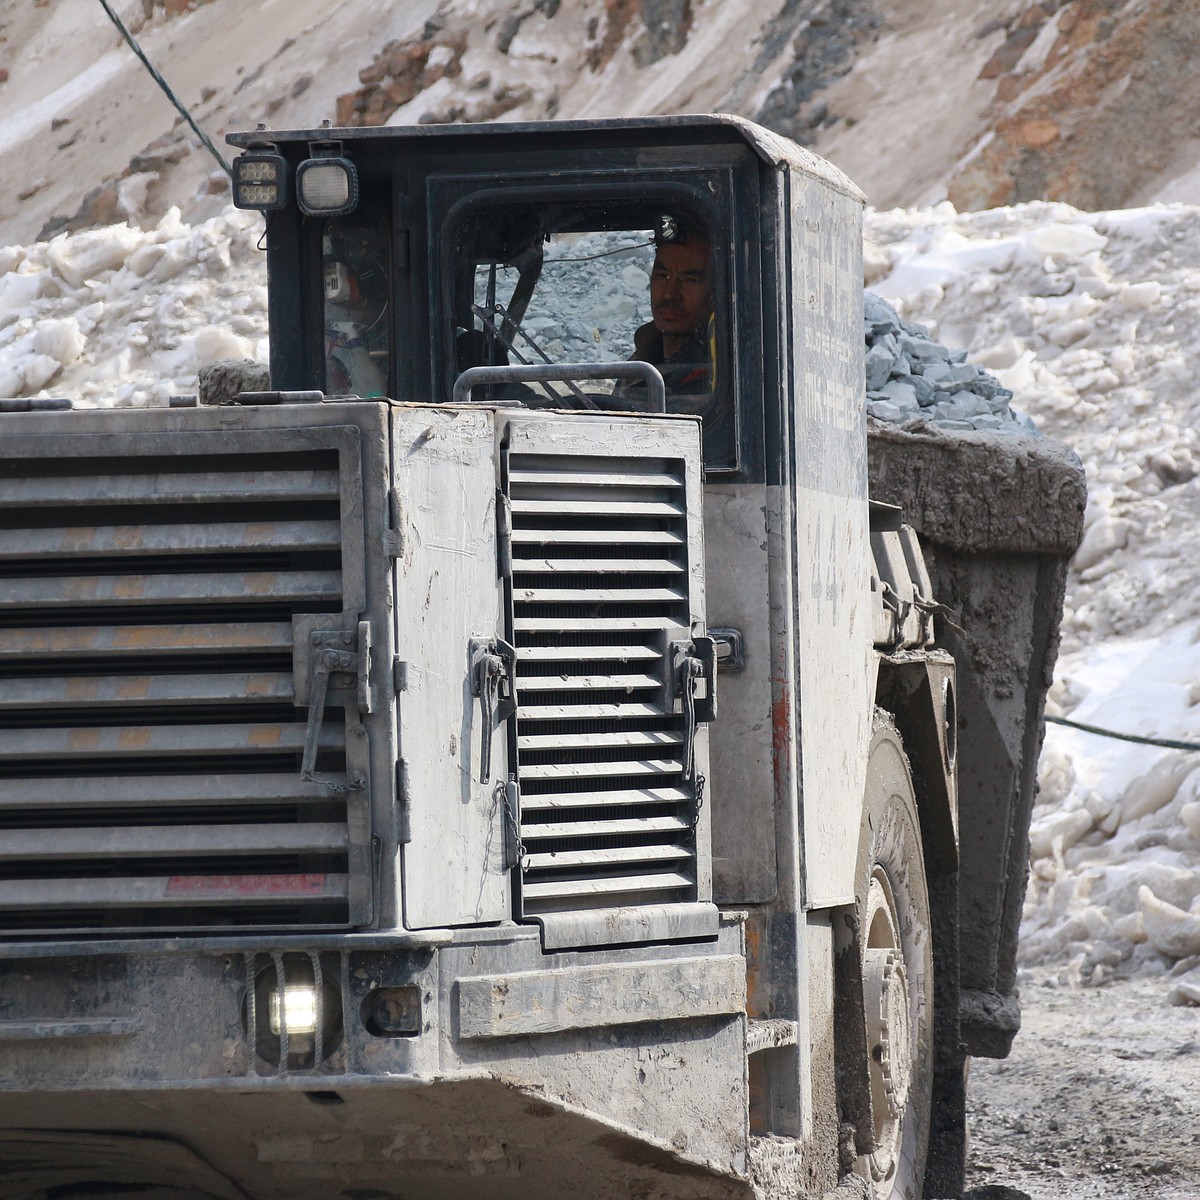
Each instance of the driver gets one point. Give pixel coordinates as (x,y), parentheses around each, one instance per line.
(678,339)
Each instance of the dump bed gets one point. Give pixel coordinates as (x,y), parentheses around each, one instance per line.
(999,517)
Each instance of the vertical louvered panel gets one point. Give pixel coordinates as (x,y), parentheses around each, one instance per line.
(150,730)
(599,590)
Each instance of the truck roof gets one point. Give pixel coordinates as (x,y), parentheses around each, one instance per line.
(697,129)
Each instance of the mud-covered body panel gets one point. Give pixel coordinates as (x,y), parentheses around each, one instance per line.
(609,1086)
(999,518)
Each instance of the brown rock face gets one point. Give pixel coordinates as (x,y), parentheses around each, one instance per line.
(99,207)
(173,8)
(344,113)
(651,30)
(1097,115)
(1009,54)
(399,73)
(668,23)
(1038,132)
(1008,88)
(618,16)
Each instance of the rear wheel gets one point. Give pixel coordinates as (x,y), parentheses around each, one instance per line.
(892,901)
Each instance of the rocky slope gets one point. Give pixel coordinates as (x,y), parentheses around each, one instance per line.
(1086,101)
(1094,104)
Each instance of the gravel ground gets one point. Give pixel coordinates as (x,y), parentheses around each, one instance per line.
(1100,1098)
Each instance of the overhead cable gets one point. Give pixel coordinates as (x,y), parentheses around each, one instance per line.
(1100,731)
(162,83)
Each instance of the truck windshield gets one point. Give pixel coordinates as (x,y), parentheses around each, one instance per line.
(557,285)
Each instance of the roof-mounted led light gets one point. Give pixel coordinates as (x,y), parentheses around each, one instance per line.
(260,180)
(327,183)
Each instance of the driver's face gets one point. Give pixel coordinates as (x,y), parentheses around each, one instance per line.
(680,292)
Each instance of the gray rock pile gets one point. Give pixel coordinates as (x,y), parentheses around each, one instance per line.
(594,292)
(912,378)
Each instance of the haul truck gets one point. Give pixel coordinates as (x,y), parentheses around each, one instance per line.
(476,764)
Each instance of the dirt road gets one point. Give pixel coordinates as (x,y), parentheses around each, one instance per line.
(1100,1098)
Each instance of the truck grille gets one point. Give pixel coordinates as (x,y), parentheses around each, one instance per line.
(600,588)
(150,742)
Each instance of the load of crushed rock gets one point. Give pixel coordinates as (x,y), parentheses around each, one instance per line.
(913,379)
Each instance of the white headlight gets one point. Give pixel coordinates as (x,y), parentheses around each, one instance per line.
(298,1005)
(326,186)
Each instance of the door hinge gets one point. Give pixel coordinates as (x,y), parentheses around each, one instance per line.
(403,804)
(503,536)
(366,693)
(393,536)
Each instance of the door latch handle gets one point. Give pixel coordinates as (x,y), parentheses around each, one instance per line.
(694,682)
(493,668)
(333,652)
(325,662)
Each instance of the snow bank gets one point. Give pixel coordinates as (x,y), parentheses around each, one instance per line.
(121,316)
(1093,321)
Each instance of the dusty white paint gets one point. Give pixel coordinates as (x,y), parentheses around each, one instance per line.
(447,593)
(743,767)
(833,607)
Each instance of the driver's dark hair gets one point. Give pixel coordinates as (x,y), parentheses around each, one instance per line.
(678,229)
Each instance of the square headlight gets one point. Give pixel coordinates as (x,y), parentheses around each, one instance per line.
(327,186)
(260,181)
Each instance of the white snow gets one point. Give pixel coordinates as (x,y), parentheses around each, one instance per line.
(33,118)
(127,316)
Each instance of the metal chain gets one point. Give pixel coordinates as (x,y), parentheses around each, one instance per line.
(510,817)
(699,805)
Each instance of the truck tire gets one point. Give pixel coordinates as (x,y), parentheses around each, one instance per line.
(892,902)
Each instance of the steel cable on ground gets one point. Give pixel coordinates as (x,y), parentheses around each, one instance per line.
(1100,731)
(162,83)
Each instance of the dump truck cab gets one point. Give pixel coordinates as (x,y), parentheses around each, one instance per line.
(510,754)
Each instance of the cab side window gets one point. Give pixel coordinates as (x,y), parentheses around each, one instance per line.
(354,258)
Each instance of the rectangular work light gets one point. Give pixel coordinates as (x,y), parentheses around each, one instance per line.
(326,185)
(260,180)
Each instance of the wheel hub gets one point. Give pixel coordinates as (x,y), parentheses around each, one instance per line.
(885,987)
